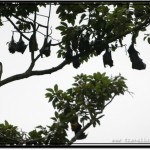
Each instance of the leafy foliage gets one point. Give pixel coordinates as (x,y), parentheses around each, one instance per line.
(86,100)
(87,30)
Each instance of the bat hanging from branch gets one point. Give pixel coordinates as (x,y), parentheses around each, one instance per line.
(75,125)
(33,46)
(21,46)
(45,50)
(107,58)
(12,45)
(137,62)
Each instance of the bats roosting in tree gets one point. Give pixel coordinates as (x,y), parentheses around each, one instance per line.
(75,126)
(21,45)
(76,62)
(45,50)
(137,62)
(12,45)
(107,58)
(33,46)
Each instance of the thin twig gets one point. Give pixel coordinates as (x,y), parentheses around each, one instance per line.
(110,100)
(38,23)
(17,28)
(33,73)
(22,20)
(42,15)
(48,20)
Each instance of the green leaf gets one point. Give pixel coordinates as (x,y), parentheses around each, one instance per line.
(53,118)
(148,39)
(56,114)
(6,123)
(64,24)
(82,17)
(56,88)
(50,90)
(61,28)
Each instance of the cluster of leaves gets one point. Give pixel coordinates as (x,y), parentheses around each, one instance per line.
(23,10)
(9,134)
(87,28)
(87,98)
(102,25)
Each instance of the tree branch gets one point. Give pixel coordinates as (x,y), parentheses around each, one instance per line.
(22,19)
(33,73)
(17,28)
(146,23)
(38,23)
(48,20)
(110,100)
(81,131)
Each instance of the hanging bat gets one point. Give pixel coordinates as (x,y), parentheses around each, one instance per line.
(21,45)
(107,58)
(45,50)
(33,46)
(137,62)
(12,45)
(76,63)
(75,126)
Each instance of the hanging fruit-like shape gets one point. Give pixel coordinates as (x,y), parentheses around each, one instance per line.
(68,54)
(137,62)
(107,59)
(33,46)
(21,46)
(12,45)
(45,50)
(75,125)
(76,62)
(99,47)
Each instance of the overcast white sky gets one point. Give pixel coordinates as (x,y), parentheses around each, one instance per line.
(23,102)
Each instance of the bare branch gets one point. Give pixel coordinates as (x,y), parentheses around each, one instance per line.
(33,73)
(48,20)
(37,23)
(56,44)
(43,15)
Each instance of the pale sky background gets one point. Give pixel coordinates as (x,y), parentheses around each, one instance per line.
(23,102)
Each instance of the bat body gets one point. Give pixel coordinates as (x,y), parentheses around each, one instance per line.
(12,45)
(137,62)
(45,50)
(21,46)
(75,125)
(107,59)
